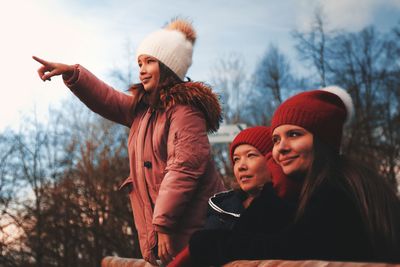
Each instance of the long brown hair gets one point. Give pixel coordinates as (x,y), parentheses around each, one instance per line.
(377,201)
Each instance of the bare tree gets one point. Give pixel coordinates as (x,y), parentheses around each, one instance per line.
(123,74)
(273,73)
(32,165)
(230,81)
(87,217)
(65,195)
(363,63)
(390,138)
(272,81)
(10,251)
(313,46)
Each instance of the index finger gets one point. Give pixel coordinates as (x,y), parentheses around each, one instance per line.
(41,61)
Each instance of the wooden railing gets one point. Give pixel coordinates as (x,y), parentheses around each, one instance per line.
(128,262)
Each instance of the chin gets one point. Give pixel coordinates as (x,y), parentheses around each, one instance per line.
(289,170)
(146,88)
(245,188)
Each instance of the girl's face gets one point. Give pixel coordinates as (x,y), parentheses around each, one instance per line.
(149,72)
(250,169)
(293,149)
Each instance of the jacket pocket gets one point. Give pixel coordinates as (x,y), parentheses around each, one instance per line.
(126,186)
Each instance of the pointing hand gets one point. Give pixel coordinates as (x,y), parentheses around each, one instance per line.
(50,69)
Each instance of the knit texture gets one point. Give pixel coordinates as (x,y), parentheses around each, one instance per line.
(258,136)
(321,112)
(172,45)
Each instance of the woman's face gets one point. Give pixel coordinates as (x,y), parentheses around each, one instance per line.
(250,169)
(149,72)
(293,149)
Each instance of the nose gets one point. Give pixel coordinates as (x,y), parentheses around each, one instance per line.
(142,69)
(283,146)
(242,166)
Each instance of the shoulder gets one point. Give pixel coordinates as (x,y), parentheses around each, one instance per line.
(229,202)
(182,108)
(198,96)
(333,193)
(268,203)
(224,195)
(333,201)
(186,120)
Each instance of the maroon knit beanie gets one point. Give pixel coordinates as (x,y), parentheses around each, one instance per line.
(258,136)
(322,112)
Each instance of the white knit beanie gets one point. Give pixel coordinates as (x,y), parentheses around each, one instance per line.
(172,45)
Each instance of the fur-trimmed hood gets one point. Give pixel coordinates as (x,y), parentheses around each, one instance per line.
(160,151)
(195,94)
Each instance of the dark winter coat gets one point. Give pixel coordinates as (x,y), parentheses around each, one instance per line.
(330,229)
(224,209)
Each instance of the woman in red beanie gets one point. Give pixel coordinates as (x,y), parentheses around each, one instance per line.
(248,156)
(262,186)
(345,211)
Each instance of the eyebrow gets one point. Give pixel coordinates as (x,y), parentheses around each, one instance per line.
(292,129)
(142,58)
(247,151)
(296,129)
(147,57)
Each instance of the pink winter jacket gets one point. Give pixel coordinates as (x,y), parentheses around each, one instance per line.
(171,168)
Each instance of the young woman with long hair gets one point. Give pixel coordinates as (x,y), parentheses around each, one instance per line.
(172,173)
(345,211)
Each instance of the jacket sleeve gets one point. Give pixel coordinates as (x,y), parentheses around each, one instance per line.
(189,153)
(100,97)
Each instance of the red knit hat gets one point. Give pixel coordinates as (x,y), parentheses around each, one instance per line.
(322,112)
(258,136)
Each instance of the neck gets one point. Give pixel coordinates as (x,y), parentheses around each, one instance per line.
(250,197)
(246,203)
(152,98)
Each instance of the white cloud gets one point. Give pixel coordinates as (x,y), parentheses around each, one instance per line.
(394,3)
(350,15)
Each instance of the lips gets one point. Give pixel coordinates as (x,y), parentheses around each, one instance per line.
(245,178)
(146,79)
(287,160)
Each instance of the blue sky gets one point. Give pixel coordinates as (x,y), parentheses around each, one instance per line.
(96,34)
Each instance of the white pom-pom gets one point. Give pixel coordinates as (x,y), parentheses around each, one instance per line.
(345,97)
